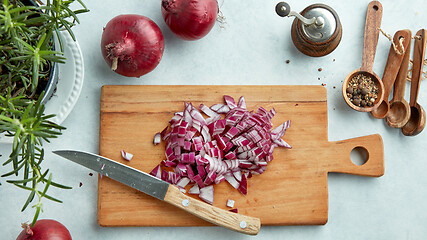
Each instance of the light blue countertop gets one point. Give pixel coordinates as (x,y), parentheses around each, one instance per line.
(251,49)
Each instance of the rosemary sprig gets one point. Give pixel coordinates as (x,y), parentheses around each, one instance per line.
(30,128)
(26,54)
(26,41)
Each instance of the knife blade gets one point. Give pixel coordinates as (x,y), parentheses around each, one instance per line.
(162,190)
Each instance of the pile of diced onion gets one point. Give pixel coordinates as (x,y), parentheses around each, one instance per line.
(205,151)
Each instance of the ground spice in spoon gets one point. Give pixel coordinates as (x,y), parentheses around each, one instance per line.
(362,90)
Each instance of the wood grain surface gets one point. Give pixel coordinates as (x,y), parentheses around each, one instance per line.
(293,190)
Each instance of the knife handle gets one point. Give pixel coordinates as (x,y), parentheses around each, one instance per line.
(217,216)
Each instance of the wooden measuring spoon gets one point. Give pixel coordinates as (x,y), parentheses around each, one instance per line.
(400,111)
(417,121)
(372,25)
(391,70)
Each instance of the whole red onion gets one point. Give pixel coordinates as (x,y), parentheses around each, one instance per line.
(45,229)
(190,19)
(132,45)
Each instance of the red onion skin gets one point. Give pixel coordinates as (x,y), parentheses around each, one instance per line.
(135,41)
(190,19)
(45,229)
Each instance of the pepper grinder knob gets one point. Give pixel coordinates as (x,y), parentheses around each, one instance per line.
(316,31)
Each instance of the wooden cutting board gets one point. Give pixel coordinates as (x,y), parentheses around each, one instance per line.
(293,190)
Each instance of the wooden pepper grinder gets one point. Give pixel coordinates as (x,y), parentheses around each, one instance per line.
(316,31)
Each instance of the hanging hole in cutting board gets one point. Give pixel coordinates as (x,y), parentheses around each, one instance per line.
(359,156)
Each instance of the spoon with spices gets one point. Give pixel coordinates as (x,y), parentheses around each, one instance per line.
(394,61)
(417,121)
(400,111)
(364,77)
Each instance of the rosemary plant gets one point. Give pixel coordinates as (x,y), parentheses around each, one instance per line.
(27,53)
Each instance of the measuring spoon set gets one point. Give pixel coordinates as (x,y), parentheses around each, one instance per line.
(411,118)
(397,112)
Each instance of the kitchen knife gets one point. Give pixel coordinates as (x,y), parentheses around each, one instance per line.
(162,190)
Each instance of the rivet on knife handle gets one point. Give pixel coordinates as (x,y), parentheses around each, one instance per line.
(217,216)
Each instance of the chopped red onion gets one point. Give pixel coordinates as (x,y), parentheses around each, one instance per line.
(219,179)
(281,128)
(169,152)
(207,194)
(169,163)
(230,101)
(165,132)
(243,186)
(205,133)
(157,138)
(238,175)
(198,180)
(202,152)
(282,143)
(126,155)
(231,132)
(173,178)
(241,103)
(157,172)
(190,172)
(180,169)
(228,146)
(245,164)
(165,176)
(240,141)
(206,110)
(213,119)
(230,203)
(194,190)
(230,179)
(191,131)
(220,108)
(230,155)
(201,170)
(177,150)
(234,210)
(183,182)
(176,118)
(201,161)
(232,164)
(210,178)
